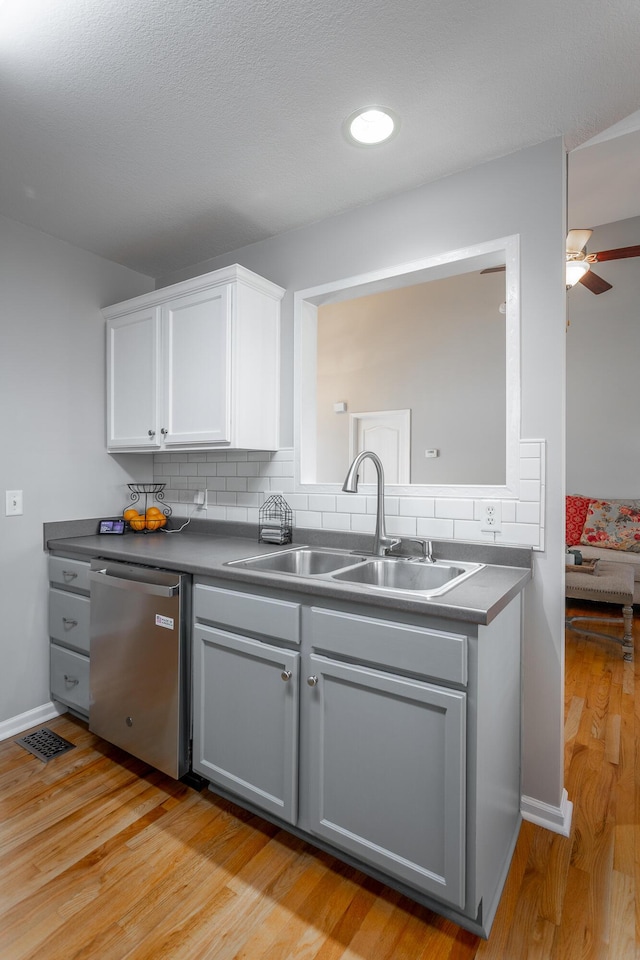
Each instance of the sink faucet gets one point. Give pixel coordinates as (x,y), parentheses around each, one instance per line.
(381,542)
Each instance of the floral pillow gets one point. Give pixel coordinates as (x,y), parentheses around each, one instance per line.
(612,524)
(576,514)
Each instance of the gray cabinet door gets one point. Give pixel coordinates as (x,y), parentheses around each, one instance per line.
(245,719)
(387,762)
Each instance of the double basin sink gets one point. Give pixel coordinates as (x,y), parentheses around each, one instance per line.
(428,579)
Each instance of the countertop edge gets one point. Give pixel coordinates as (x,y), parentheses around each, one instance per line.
(478,600)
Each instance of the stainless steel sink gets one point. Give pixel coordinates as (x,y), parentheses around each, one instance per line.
(302,562)
(429,579)
(394,575)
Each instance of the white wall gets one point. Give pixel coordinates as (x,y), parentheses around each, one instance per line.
(523,193)
(603,346)
(53,430)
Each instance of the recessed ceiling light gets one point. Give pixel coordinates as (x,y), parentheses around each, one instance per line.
(371,125)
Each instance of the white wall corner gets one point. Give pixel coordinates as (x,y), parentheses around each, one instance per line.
(557,819)
(14,725)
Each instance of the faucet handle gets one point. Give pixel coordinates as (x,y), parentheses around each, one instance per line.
(425,547)
(388,543)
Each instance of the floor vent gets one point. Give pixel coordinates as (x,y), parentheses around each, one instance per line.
(45,745)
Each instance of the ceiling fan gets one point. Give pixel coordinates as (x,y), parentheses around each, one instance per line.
(579,261)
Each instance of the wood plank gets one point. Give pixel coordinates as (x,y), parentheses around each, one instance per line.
(622,936)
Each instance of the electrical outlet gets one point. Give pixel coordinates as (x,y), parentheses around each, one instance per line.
(491,516)
(200,498)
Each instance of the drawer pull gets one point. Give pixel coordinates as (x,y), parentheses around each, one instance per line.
(312,681)
(286,675)
(69,574)
(69,622)
(71,680)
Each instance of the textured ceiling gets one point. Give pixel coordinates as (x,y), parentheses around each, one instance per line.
(159,133)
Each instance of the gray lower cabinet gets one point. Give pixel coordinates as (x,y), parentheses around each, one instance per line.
(387,773)
(245,731)
(390,738)
(69,632)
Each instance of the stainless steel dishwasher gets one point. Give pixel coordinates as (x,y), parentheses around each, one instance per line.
(139,669)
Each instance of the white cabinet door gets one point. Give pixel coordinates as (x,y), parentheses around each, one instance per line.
(133,344)
(387,773)
(245,719)
(195,368)
(196,365)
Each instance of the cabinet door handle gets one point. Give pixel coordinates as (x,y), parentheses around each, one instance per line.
(164,431)
(72,680)
(69,622)
(312,681)
(286,675)
(151,433)
(69,574)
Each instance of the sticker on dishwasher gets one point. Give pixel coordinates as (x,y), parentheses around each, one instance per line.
(166,622)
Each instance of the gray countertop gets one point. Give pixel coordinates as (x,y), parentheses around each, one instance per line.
(477,600)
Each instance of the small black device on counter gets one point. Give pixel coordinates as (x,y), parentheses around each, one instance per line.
(111,526)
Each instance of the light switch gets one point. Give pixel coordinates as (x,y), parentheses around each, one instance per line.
(13,503)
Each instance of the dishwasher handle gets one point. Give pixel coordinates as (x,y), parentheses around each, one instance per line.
(138,586)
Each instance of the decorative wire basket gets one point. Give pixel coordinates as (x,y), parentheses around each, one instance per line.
(142,523)
(275,521)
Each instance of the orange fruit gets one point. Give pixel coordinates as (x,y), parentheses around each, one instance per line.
(153,523)
(137,523)
(130,513)
(153,512)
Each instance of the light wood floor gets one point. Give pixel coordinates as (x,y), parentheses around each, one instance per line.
(102,858)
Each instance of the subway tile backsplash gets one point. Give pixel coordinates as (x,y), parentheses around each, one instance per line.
(238,483)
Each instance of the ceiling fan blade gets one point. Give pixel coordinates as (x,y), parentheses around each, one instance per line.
(620,254)
(594,283)
(494,269)
(577,239)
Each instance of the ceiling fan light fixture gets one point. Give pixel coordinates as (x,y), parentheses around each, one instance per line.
(576,270)
(370,126)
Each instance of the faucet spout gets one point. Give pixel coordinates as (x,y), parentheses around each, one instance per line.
(381,542)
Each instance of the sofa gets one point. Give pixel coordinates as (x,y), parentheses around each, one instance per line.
(606,529)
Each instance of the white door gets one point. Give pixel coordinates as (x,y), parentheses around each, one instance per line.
(196,362)
(388,434)
(133,344)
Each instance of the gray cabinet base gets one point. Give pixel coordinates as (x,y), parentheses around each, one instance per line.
(480,924)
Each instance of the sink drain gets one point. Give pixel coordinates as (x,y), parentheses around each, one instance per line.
(44,744)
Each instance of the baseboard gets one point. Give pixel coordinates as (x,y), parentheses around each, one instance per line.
(14,725)
(553,818)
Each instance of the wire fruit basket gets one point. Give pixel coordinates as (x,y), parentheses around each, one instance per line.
(152,517)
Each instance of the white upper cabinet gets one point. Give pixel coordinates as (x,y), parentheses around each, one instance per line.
(133,343)
(196,373)
(196,365)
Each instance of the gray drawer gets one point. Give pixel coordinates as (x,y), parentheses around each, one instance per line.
(70,678)
(400,647)
(69,619)
(248,612)
(69,574)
